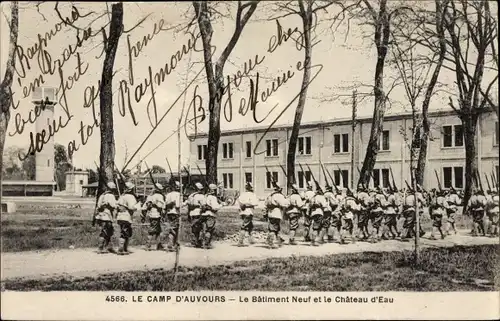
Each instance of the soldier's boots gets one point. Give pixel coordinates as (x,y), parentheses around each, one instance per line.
(102,244)
(270,240)
(159,247)
(121,247)
(241,238)
(291,240)
(170,243)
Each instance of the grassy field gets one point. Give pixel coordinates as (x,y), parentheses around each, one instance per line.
(442,269)
(57,226)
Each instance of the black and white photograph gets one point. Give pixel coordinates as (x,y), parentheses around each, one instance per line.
(246,159)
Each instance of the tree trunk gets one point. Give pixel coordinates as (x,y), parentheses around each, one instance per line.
(382,31)
(214,128)
(469,123)
(429,92)
(292,145)
(107,155)
(5,86)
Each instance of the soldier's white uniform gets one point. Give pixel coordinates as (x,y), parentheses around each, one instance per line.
(453,201)
(127,204)
(194,202)
(172,212)
(477,205)
(318,206)
(209,210)
(247,201)
(106,207)
(492,211)
(275,204)
(293,212)
(154,206)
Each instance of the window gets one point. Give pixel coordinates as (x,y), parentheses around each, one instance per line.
(81,182)
(384,142)
(341,143)
(272,147)
(459,135)
(202,152)
(227,180)
(248,178)
(303,179)
(453,136)
(377,173)
(453,177)
(249,149)
(304,146)
(48,162)
(227,150)
(269,180)
(341,175)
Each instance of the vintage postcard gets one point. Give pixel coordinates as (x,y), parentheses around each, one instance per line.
(305,159)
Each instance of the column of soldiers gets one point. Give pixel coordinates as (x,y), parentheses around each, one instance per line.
(339,215)
(376,213)
(162,211)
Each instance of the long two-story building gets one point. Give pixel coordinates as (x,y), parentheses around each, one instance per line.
(244,154)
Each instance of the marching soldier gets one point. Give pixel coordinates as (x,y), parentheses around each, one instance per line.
(336,220)
(247,201)
(439,206)
(424,197)
(194,202)
(492,212)
(327,213)
(409,212)
(306,211)
(365,201)
(208,213)
(349,207)
(127,204)
(275,204)
(293,212)
(453,201)
(380,204)
(172,209)
(154,206)
(331,198)
(391,217)
(106,206)
(318,206)
(477,205)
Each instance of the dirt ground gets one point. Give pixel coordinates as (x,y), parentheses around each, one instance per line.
(86,262)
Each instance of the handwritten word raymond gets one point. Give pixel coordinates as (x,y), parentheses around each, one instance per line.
(128,94)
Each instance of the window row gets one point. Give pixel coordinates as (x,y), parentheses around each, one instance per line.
(304,146)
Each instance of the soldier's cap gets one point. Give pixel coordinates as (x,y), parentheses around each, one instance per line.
(328,188)
(494,190)
(295,187)
(309,185)
(249,186)
(129,186)
(212,187)
(111,185)
(158,186)
(177,184)
(198,185)
(277,187)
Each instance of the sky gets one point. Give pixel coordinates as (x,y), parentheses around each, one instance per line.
(340,61)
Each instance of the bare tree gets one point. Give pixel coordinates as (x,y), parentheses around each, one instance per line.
(215,72)
(414,69)
(380,17)
(110,44)
(471,36)
(5,87)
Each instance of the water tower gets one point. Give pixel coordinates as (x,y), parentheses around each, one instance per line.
(45,98)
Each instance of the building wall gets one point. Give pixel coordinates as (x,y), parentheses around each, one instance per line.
(397,157)
(75,181)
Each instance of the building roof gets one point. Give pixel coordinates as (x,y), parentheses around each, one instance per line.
(324,123)
(27,183)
